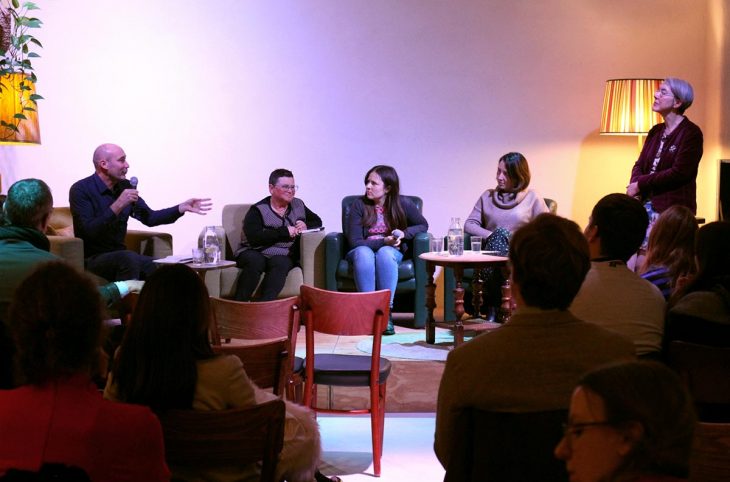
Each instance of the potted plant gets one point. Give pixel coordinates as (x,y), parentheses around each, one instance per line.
(18,115)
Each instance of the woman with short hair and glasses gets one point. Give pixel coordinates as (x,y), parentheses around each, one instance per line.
(629,422)
(376,247)
(665,173)
(269,238)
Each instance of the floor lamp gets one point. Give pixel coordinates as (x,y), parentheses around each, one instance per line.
(627,108)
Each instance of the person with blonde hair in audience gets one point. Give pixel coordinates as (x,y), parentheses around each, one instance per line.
(166,362)
(58,415)
(670,254)
(628,422)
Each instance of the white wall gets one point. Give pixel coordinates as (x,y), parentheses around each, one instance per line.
(208,97)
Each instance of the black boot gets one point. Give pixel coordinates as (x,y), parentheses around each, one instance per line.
(390,329)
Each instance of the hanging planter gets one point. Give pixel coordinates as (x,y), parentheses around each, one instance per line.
(18,100)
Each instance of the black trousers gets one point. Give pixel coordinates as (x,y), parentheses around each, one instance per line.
(253,264)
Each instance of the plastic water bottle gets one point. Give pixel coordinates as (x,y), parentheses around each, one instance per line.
(456,237)
(211,245)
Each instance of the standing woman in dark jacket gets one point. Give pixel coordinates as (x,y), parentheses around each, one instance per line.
(666,172)
(377,248)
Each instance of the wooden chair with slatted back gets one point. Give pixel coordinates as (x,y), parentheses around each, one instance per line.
(266,364)
(704,371)
(237,437)
(264,320)
(348,314)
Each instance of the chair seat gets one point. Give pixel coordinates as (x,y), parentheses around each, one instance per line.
(347,370)
(406,270)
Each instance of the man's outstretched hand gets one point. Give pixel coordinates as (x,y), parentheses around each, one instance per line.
(196,205)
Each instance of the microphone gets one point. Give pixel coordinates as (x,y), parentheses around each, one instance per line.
(133,181)
(398,234)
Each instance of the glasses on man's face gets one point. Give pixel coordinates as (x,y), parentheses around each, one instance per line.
(288,187)
(572,431)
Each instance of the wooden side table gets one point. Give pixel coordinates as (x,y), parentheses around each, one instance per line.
(470,259)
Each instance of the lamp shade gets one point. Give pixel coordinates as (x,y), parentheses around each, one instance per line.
(13,98)
(627,106)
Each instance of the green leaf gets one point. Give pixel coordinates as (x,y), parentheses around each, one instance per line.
(33,55)
(29,108)
(3,123)
(16,4)
(23,39)
(30,6)
(30,22)
(12,127)
(25,48)
(35,97)
(25,87)
(20,116)
(35,41)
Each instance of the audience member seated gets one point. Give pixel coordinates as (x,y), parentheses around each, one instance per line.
(166,362)
(498,213)
(533,362)
(612,295)
(670,253)
(700,310)
(59,416)
(381,227)
(23,245)
(629,422)
(270,238)
(102,204)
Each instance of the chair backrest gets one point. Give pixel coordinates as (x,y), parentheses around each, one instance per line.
(349,314)
(236,437)
(255,321)
(710,460)
(266,364)
(500,446)
(348,200)
(61,222)
(233,215)
(704,371)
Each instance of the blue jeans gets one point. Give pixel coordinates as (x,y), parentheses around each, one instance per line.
(375,269)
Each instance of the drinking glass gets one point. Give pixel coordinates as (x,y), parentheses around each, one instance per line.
(437,244)
(198,256)
(476,243)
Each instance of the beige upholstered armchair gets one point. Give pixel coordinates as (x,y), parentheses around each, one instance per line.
(64,244)
(222,283)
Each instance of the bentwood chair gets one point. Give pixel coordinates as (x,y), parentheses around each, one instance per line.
(348,314)
(507,447)
(410,292)
(237,437)
(704,371)
(266,364)
(266,320)
(710,460)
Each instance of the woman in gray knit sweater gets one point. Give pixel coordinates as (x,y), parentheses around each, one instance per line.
(499,212)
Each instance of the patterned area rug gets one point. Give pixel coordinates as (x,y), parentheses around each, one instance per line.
(412,388)
(411,346)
